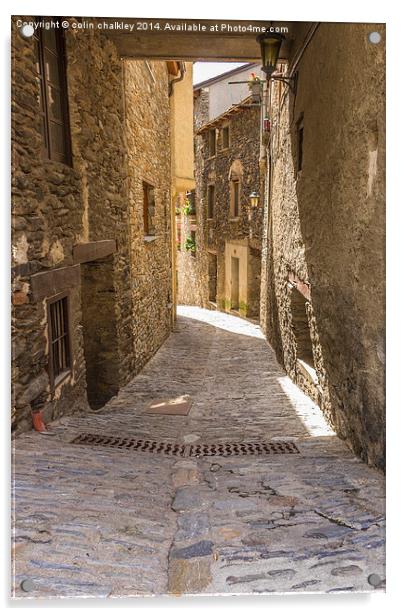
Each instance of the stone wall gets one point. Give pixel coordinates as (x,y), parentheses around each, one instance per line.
(47,210)
(192,268)
(190,273)
(215,235)
(147,132)
(57,208)
(97,104)
(325,228)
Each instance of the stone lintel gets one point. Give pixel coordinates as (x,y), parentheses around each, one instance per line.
(54,281)
(90,251)
(197,39)
(240,241)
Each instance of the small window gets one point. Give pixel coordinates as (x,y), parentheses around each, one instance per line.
(300,130)
(211,201)
(59,339)
(235,198)
(212,142)
(301,327)
(225,137)
(52,94)
(149,209)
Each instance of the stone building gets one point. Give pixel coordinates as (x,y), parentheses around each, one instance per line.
(94,181)
(94,205)
(323,277)
(223,270)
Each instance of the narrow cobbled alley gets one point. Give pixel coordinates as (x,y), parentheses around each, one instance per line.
(95,520)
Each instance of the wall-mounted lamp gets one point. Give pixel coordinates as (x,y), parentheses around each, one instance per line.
(254,199)
(270,44)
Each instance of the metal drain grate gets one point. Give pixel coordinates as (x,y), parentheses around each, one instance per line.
(187,451)
(171,449)
(243,449)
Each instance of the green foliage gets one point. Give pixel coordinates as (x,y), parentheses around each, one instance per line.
(189,244)
(243,308)
(188,208)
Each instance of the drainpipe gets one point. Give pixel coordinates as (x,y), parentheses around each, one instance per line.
(177,79)
(182,68)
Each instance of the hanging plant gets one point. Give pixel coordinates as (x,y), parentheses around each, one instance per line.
(189,244)
(188,208)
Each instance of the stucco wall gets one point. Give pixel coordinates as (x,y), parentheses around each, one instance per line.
(223,94)
(182,137)
(326,225)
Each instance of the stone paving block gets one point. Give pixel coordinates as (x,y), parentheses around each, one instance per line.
(188,499)
(189,576)
(191,526)
(202,548)
(93,521)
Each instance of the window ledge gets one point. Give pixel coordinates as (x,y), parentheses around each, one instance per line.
(60,378)
(149,238)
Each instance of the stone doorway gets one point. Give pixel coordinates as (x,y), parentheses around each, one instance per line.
(212,276)
(98,300)
(234,283)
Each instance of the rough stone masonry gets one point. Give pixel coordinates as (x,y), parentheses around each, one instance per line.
(324,230)
(78,225)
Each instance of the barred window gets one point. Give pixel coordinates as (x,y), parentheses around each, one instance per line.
(59,339)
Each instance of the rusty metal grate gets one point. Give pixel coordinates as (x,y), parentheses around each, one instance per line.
(242,449)
(171,449)
(187,451)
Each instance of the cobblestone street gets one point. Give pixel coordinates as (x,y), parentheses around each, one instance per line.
(93,521)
